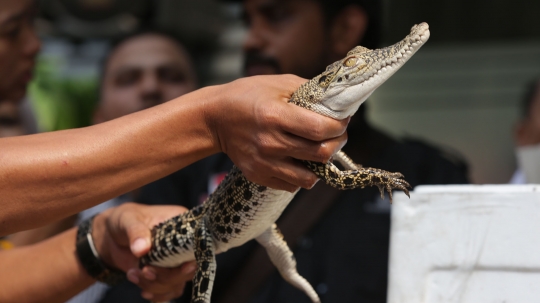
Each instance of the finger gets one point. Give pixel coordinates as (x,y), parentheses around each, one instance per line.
(287,174)
(163,280)
(161,213)
(178,275)
(278,184)
(310,125)
(302,149)
(139,235)
(284,83)
(292,83)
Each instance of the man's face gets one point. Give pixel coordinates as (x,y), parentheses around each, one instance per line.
(19,46)
(142,72)
(285,36)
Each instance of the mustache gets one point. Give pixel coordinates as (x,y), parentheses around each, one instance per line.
(9,121)
(151,100)
(256,58)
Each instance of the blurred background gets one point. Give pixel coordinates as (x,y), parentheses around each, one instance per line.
(463,90)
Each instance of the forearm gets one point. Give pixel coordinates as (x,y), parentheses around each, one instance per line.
(36,235)
(49,176)
(46,272)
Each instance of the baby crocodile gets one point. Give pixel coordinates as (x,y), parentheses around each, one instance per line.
(240,210)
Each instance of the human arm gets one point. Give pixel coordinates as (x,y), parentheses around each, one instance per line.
(49,176)
(32,236)
(51,272)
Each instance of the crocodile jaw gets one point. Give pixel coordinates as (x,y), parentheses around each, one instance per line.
(347,83)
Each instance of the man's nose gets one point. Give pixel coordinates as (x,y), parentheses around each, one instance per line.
(31,42)
(149,82)
(255,37)
(151,90)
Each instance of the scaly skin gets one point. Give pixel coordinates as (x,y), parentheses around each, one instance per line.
(240,210)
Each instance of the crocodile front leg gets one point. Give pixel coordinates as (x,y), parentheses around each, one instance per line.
(359,177)
(203,281)
(283,259)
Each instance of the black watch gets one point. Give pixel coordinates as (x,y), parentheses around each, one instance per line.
(89,257)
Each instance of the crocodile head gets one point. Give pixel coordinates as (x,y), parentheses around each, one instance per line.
(347,83)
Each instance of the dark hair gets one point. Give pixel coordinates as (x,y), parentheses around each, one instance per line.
(532,89)
(373,9)
(143,32)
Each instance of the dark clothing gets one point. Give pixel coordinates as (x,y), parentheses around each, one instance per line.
(345,255)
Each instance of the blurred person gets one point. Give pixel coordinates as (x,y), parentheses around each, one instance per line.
(68,171)
(527,137)
(344,253)
(141,70)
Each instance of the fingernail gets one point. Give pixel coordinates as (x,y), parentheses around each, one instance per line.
(189,268)
(149,274)
(139,245)
(147,295)
(132,276)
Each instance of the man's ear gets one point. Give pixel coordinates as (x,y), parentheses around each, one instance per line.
(347,28)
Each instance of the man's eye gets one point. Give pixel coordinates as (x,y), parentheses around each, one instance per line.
(171,75)
(126,79)
(11,31)
(276,14)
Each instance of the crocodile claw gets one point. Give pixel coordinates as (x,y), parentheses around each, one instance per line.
(395,180)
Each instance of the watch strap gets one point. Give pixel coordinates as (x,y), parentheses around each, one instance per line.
(89,257)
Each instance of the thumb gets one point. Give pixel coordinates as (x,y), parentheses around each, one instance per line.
(139,237)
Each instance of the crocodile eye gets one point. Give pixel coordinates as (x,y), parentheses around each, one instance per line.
(350,62)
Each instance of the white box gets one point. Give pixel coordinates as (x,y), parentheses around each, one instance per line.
(467,244)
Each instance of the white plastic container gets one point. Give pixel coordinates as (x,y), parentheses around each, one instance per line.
(466,244)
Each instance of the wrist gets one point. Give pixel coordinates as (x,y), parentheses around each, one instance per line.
(90,259)
(217,97)
(99,234)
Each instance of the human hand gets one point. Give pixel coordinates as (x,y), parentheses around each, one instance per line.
(122,235)
(263,134)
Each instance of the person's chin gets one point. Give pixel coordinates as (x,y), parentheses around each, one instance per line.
(18,89)
(16,93)
(254,70)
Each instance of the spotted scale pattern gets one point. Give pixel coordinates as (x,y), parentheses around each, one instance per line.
(360,177)
(206,260)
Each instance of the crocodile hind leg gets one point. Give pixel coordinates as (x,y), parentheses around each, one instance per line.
(358,176)
(203,281)
(282,257)
(346,161)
